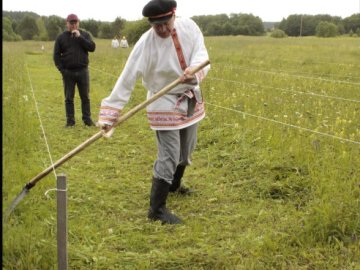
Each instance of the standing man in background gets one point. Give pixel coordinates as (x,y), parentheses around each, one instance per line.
(166,52)
(72,60)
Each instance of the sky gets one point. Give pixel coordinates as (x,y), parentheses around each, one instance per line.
(109,10)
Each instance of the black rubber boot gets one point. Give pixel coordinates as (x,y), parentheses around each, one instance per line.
(158,210)
(176,183)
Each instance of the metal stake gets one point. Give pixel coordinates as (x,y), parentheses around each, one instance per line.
(61,222)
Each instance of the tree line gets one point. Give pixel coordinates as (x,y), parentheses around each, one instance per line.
(31,26)
(321,25)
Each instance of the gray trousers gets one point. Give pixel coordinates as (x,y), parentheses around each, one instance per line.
(174,148)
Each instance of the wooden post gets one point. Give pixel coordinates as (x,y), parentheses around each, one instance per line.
(61,222)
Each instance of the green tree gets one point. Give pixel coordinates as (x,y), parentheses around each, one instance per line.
(28,28)
(17,16)
(247,24)
(292,25)
(8,33)
(134,29)
(305,25)
(278,33)
(326,29)
(208,23)
(214,29)
(105,31)
(91,26)
(117,26)
(228,29)
(43,35)
(352,22)
(236,24)
(341,28)
(324,18)
(54,26)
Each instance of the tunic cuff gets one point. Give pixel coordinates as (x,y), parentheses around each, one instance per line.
(108,115)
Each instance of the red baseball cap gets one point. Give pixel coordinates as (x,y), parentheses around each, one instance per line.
(72,17)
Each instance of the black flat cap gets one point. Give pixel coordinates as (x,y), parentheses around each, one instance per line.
(159,11)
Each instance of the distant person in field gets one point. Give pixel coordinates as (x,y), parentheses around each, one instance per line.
(71,59)
(124,43)
(166,52)
(115,43)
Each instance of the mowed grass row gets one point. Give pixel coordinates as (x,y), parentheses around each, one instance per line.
(269,195)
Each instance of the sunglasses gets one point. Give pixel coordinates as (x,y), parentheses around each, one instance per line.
(73,22)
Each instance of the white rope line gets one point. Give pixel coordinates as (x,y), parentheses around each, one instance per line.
(293,75)
(283,89)
(53,189)
(285,124)
(103,72)
(309,73)
(275,121)
(258,85)
(253,84)
(324,62)
(41,124)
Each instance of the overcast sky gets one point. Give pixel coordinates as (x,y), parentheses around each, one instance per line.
(109,10)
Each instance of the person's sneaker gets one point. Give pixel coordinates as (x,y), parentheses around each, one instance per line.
(89,123)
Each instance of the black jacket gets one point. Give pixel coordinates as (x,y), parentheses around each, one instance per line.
(72,52)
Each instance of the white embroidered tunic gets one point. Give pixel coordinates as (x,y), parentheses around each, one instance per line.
(156,61)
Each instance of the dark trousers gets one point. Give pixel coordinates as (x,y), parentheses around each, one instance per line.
(71,78)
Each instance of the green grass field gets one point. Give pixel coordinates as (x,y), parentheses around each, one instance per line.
(276,169)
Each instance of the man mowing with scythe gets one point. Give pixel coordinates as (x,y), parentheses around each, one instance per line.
(169,49)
